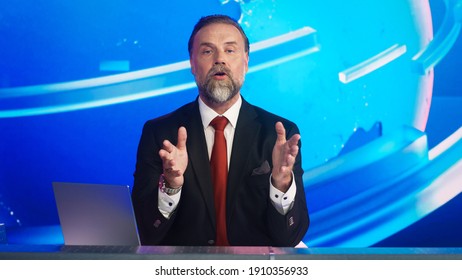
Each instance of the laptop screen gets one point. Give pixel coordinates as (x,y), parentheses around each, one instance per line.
(96,214)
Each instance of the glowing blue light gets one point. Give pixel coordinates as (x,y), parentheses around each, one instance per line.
(372,64)
(103,93)
(443,41)
(387,205)
(114,65)
(305,56)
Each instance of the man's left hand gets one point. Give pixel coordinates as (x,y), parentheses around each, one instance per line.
(284,154)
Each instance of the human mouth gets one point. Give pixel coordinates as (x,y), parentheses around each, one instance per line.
(220,75)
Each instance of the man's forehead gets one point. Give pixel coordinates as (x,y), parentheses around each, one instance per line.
(226,32)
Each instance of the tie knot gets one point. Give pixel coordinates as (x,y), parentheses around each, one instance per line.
(219,123)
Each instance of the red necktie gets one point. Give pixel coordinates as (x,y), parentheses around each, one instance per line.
(219,167)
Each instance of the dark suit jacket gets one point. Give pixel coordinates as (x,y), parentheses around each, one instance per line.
(251,218)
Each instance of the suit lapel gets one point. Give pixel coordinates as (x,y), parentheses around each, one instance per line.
(246,130)
(198,157)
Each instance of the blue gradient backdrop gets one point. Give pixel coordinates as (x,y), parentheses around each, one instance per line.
(374,88)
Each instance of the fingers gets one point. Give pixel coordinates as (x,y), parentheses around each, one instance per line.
(281,136)
(169,148)
(290,159)
(281,132)
(293,141)
(182,136)
(173,156)
(167,159)
(288,149)
(288,162)
(292,144)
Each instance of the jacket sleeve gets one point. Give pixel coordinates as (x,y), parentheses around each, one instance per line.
(288,230)
(152,225)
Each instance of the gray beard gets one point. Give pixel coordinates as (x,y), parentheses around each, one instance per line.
(219,92)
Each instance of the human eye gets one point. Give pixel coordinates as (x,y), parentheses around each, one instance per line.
(206,51)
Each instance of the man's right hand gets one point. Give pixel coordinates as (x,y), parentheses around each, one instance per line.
(175,159)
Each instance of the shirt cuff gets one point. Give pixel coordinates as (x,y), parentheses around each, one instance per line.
(283,202)
(167,203)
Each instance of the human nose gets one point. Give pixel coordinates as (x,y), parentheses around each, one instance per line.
(220,58)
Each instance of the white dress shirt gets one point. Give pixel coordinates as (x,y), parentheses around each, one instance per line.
(281,201)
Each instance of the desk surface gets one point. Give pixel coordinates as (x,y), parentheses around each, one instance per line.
(56,252)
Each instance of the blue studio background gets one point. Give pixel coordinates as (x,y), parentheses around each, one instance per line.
(373,85)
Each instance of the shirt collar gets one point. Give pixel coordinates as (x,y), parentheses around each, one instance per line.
(208,114)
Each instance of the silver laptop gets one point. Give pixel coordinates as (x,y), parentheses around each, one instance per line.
(95,214)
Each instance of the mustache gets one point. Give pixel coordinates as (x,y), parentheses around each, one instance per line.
(219,69)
